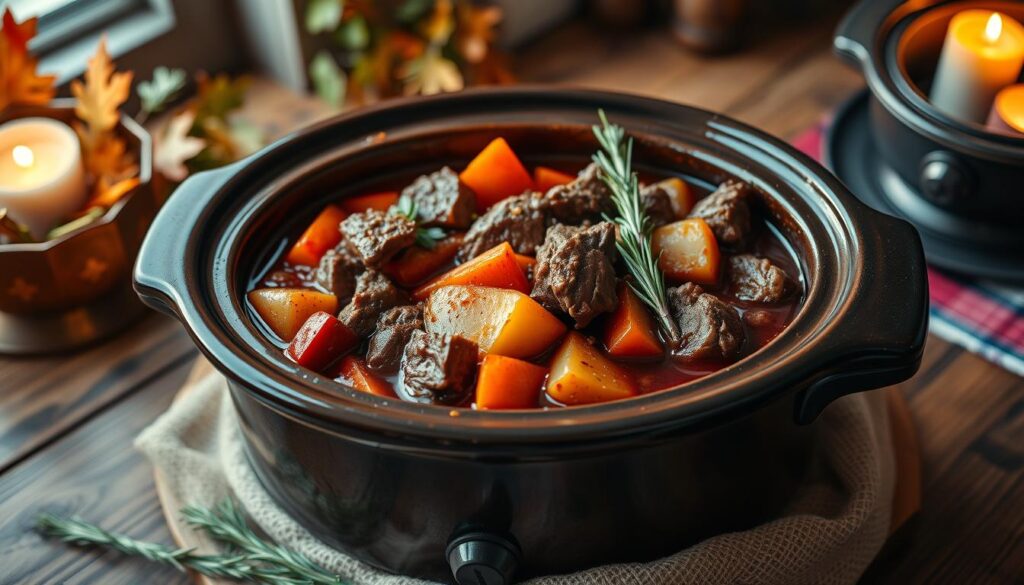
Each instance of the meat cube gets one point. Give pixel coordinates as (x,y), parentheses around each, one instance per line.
(337,272)
(374,295)
(442,200)
(394,330)
(377,236)
(757,279)
(657,204)
(575,272)
(586,198)
(708,327)
(519,220)
(438,368)
(727,212)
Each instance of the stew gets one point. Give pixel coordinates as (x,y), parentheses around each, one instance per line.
(501,287)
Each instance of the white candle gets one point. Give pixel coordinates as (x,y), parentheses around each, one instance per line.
(983,53)
(41,176)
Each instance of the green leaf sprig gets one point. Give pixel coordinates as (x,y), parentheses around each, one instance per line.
(250,558)
(155,94)
(634,243)
(426,237)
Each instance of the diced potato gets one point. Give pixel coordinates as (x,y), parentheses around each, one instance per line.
(284,310)
(500,321)
(689,251)
(504,382)
(580,374)
(680,195)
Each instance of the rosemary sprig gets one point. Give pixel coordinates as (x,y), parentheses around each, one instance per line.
(634,243)
(227,525)
(426,237)
(250,558)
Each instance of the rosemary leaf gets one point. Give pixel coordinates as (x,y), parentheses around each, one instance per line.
(634,244)
(239,567)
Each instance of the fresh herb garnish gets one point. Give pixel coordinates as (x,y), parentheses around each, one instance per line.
(250,558)
(426,237)
(634,242)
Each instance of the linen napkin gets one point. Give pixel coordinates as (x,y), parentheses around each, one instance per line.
(828,534)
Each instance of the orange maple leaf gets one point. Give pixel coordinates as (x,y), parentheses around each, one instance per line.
(19,82)
(106,194)
(102,94)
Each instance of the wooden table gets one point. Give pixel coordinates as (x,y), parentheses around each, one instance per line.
(67,423)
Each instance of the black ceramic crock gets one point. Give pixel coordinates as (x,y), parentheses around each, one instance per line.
(411,487)
(968,178)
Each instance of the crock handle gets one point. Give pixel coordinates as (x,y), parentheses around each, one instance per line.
(880,338)
(160,277)
(856,32)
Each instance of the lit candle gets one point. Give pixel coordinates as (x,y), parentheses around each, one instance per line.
(983,53)
(41,176)
(1007,114)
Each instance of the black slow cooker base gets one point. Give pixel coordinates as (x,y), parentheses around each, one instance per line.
(966,247)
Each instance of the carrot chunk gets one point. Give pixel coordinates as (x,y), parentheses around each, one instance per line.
(496,267)
(495,174)
(689,251)
(545,178)
(417,264)
(284,310)
(680,195)
(504,382)
(321,235)
(354,372)
(580,374)
(629,331)
(379,201)
(322,339)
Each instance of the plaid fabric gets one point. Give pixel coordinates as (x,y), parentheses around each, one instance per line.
(982,317)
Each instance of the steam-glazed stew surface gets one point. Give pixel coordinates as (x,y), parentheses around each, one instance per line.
(495,288)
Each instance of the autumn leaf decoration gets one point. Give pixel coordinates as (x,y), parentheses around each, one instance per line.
(19,82)
(105,154)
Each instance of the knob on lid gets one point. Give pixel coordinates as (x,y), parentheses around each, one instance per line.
(481,558)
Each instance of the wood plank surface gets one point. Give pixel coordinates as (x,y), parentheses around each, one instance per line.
(67,423)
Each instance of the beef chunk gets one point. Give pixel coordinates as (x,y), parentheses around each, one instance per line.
(518,220)
(438,367)
(377,236)
(442,200)
(394,329)
(709,328)
(374,295)
(574,271)
(757,279)
(658,205)
(337,273)
(727,212)
(585,198)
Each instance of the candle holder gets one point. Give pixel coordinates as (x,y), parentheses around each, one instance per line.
(75,289)
(959,183)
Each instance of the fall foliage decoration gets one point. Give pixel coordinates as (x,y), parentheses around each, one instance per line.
(19,82)
(414,47)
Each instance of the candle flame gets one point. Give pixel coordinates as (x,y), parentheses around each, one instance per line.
(23,156)
(994,28)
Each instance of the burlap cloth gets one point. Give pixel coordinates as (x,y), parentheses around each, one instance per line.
(830,532)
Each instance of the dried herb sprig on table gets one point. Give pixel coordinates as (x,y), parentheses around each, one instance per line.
(634,243)
(256,560)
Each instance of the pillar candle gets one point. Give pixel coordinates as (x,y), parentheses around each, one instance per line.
(983,53)
(41,176)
